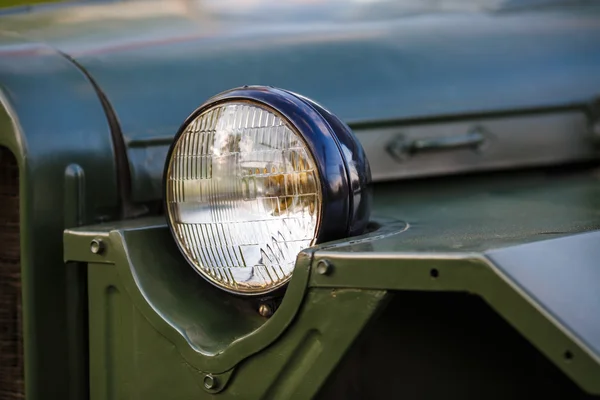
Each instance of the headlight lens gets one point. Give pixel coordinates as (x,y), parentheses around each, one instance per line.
(246,190)
(243,195)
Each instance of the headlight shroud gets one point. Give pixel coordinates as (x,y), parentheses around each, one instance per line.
(255,175)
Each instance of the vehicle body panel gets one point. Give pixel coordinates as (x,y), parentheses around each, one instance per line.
(504,250)
(53,122)
(76,82)
(367,67)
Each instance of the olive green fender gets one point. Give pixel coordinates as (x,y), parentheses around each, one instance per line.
(53,122)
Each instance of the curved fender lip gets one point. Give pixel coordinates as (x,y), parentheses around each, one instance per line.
(213,330)
(199,319)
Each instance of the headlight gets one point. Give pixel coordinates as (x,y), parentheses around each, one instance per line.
(254,176)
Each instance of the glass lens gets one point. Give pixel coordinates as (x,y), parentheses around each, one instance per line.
(243,196)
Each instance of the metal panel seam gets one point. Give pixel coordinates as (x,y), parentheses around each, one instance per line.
(120,153)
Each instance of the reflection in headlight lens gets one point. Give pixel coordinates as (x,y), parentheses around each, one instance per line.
(243,196)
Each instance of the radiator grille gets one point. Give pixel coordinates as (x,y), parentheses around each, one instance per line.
(12,385)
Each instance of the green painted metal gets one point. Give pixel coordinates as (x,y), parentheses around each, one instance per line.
(431,252)
(398,68)
(198,318)
(438,345)
(60,152)
(463,235)
(132,357)
(153,322)
(473,274)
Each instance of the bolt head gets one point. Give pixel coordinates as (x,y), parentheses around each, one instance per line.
(97,246)
(265,310)
(210,382)
(324,267)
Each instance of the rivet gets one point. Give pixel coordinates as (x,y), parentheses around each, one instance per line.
(97,246)
(568,355)
(265,310)
(324,267)
(210,382)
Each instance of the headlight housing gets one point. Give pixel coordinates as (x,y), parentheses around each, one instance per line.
(255,175)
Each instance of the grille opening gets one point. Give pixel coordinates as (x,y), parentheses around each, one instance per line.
(445,346)
(12,385)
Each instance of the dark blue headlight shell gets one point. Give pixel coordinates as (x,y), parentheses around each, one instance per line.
(255,175)
(343,166)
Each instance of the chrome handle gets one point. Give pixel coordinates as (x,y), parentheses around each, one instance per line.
(401,148)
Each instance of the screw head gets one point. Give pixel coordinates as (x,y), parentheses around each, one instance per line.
(324,267)
(210,382)
(97,246)
(265,310)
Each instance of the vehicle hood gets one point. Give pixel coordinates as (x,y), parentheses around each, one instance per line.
(365,61)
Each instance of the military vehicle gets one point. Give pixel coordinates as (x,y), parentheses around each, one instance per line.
(324,199)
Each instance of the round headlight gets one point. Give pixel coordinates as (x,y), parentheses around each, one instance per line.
(255,175)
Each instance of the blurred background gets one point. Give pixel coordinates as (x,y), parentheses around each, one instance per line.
(13,3)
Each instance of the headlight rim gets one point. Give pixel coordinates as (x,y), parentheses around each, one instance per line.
(323,145)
